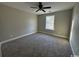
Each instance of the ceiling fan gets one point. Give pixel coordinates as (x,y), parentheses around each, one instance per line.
(40,7)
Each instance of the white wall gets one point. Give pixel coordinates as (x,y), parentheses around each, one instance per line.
(14,23)
(62,23)
(74,36)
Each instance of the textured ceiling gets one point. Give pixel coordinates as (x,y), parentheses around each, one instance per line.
(25,6)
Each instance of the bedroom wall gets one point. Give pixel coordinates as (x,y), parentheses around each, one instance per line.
(62,23)
(14,22)
(74,36)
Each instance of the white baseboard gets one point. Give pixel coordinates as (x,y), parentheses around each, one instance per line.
(12,40)
(15,38)
(55,35)
(61,36)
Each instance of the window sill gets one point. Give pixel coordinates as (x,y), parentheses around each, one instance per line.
(49,30)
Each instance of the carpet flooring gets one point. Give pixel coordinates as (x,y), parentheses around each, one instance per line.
(37,45)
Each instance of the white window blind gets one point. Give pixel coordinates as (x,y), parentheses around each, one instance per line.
(50,22)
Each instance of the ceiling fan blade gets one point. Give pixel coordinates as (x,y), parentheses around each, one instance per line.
(34,7)
(37,10)
(46,7)
(43,10)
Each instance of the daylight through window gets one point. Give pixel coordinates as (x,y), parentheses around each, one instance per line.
(50,22)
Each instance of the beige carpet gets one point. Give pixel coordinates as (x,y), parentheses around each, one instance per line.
(37,45)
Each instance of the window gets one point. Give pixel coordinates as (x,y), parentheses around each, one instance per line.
(50,22)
